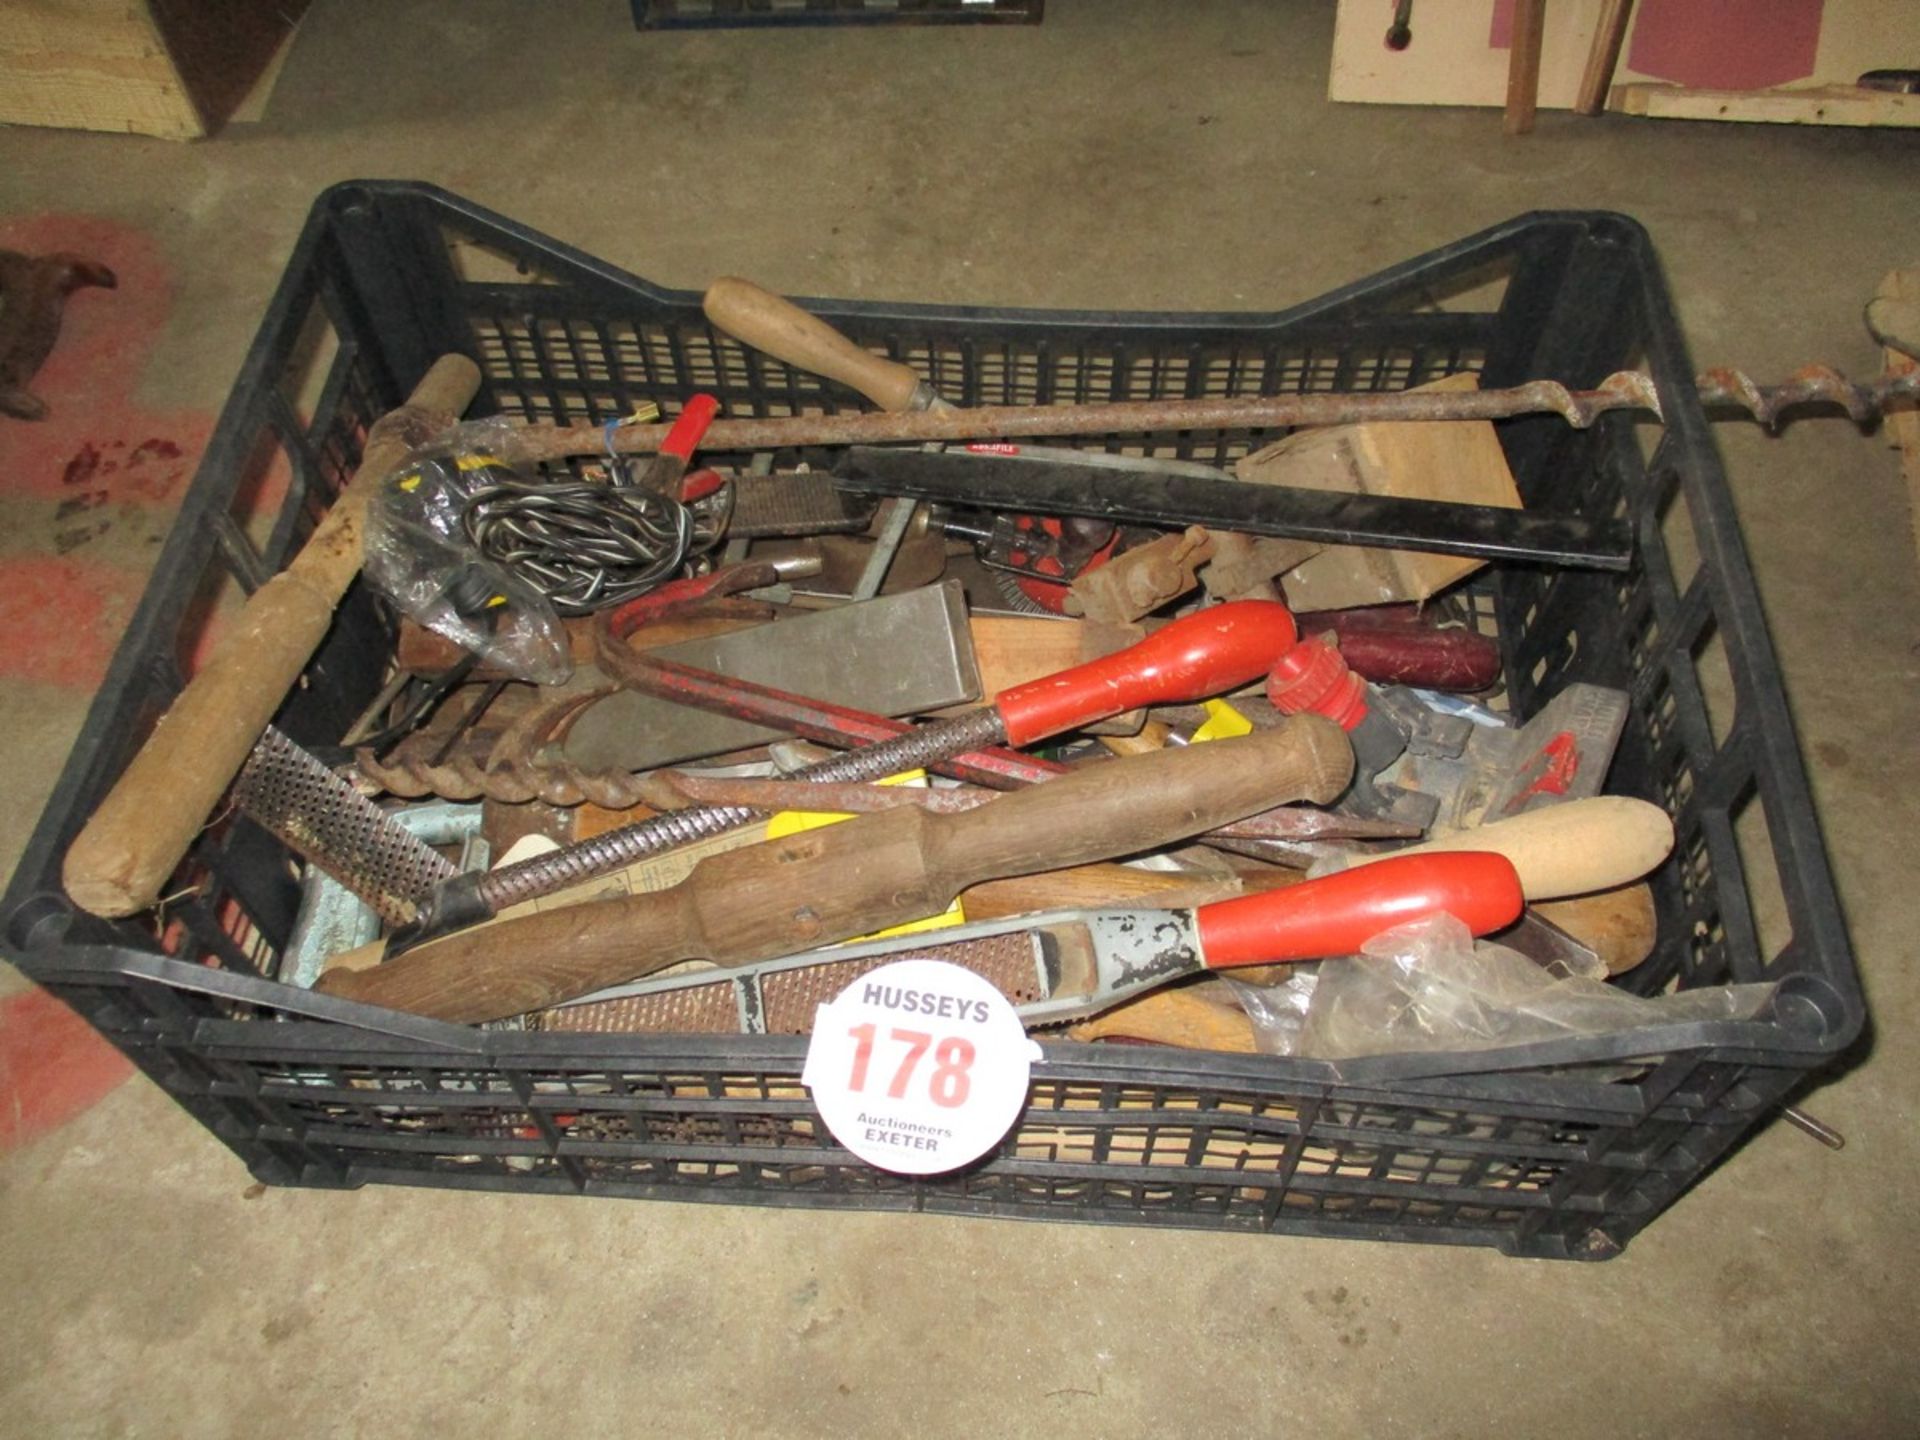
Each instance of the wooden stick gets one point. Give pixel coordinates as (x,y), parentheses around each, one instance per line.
(1523,66)
(119,862)
(1608,34)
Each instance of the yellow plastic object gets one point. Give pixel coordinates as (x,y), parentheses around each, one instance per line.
(792,822)
(1222,723)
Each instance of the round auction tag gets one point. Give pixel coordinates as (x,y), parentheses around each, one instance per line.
(919,1066)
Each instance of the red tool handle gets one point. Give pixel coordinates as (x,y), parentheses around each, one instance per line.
(1338,914)
(684,437)
(1196,656)
(663,472)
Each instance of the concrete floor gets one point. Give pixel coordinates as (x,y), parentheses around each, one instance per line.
(1128,154)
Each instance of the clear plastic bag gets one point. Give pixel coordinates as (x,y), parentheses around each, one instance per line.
(1278,1011)
(419,555)
(1429,987)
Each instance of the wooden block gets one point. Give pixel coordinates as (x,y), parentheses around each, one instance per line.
(1010,650)
(1429,460)
(174,70)
(1817,105)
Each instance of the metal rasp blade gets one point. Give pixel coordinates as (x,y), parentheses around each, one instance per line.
(317,813)
(794,504)
(780,999)
(1052,967)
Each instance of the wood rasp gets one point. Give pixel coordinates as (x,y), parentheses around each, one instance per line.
(1067,964)
(856,877)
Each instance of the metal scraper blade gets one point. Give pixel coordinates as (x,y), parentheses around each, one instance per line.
(316,813)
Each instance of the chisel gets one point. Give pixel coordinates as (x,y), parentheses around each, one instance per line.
(1071,963)
(821,886)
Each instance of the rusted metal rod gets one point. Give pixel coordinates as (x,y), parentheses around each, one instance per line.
(1626,390)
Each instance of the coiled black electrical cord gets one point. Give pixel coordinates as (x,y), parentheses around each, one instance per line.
(588,545)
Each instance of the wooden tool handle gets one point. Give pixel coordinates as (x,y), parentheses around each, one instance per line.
(119,862)
(1574,848)
(1122,806)
(1621,925)
(514,966)
(1182,1015)
(831,884)
(783,330)
(1109,886)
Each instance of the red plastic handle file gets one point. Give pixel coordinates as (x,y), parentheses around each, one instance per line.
(1198,655)
(1338,914)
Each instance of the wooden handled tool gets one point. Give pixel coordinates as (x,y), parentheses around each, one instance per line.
(875,870)
(1065,965)
(758,317)
(1575,848)
(119,862)
(1571,849)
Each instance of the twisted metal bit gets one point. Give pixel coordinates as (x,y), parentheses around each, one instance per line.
(1625,390)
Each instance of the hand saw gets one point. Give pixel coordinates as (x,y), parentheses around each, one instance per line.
(1071,963)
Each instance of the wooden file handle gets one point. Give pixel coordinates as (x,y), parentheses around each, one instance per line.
(831,884)
(776,325)
(119,862)
(1572,849)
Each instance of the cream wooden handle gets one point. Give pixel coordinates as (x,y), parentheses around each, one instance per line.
(1571,849)
(772,323)
(119,862)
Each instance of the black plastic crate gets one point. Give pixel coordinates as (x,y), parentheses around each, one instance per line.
(738,14)
(1543,1160)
